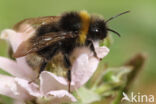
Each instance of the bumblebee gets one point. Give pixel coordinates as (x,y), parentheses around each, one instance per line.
(61,34)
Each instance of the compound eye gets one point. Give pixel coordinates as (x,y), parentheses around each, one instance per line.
(95,30)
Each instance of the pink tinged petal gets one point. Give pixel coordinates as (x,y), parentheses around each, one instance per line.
(86,64)
(83,69)
(9,88)
(61,96)
(32,89)
(102,51)
(49,82)
(26,69)
(15,40)
(13,68)
(13,37)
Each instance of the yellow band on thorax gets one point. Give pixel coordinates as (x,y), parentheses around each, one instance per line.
(85,18)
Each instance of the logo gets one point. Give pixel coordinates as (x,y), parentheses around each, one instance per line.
(137,98)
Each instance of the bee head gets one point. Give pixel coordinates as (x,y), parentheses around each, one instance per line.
(97,29)
(70,22)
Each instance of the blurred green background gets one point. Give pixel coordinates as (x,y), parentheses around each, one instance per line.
(137,29)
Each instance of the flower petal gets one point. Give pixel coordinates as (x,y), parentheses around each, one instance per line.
(26,69)
(9,88)
(13,68)
(61,96)
(86,64)
(83,68)
(13,37)
(102,51)
(49,82)
(32,89)
(15,40)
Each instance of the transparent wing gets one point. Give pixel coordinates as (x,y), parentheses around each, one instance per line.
(35,44)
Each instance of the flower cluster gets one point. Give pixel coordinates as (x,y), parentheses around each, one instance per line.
(52,88)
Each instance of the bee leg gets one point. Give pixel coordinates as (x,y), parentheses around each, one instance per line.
(91,46)
(42,67)
(68,65)
(69,79)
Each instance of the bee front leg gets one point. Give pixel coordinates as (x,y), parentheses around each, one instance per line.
(68,65)
(92,48)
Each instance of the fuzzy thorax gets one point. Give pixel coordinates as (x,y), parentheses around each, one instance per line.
(85,26)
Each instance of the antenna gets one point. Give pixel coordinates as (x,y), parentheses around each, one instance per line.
(117,16)
(113,31)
